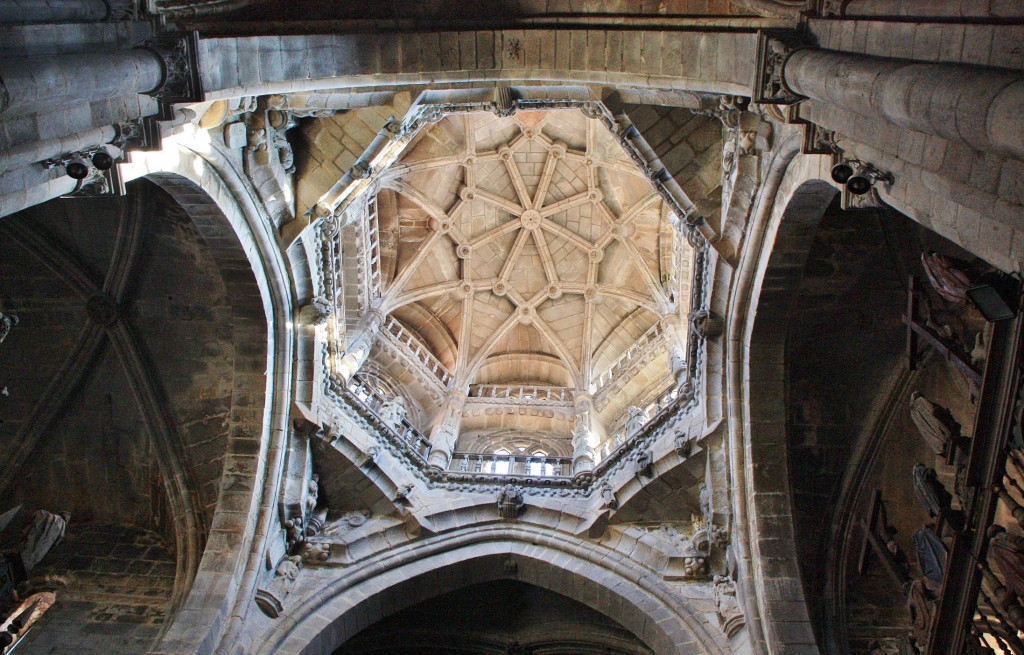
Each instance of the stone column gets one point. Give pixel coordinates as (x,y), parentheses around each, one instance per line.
(37,151)
(53,11)
(28,84)
(444,432)
(587,434)
(359,349)
(979,107)
(675,342)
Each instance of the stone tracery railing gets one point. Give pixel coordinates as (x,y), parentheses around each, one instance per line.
(409,343)
(405,431)
(520,392)
(372,247)
(648,341)
(662,404)
(531,466)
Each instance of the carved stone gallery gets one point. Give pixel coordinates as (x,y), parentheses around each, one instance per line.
(511,327)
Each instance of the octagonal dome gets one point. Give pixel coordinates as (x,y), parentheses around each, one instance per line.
(534,270)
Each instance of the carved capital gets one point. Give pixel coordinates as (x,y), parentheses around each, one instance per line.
(773,50)
(179,57)
(122,10)
(138,134)
(819,141)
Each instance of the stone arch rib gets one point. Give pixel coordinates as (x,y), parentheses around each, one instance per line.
(772,563)
(231,228)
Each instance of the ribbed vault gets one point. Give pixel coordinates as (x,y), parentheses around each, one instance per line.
(532,259)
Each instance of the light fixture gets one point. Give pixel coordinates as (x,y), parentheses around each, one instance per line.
(997,296)
(859,185)
(102,160)
(842,172)
(76,168)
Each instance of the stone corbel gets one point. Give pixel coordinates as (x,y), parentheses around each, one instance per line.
(511,502)
(707,324)
(300,489)
(270,597)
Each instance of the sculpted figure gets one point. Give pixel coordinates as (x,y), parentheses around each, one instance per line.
(730,616)
(899,558)
(580,447)
(934,423)
(931,557)
(608,500)
(644,461)
(921,606)
(677,363)
(271,598)
(394,412)
(312,493)
(7,321)
(447,435)
(930,492)
(45,532)
(510,501)
(946,277)
(1006,551)
(635,422)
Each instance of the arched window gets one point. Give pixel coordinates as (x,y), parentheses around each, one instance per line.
(537,464)
(502,461)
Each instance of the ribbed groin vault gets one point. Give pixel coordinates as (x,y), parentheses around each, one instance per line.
(514,327)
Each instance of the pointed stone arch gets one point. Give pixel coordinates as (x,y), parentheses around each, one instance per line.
(604,580)
(791,203)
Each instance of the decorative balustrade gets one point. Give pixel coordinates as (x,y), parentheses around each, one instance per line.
(415,348)
(525,393)
(404,431)
(654,411)
(533,466)
(639,348)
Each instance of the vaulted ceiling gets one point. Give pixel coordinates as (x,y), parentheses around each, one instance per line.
(530,250)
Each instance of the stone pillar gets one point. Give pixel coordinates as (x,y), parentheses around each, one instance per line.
(979,107)
(53,11)
(444,432)
(29,84)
